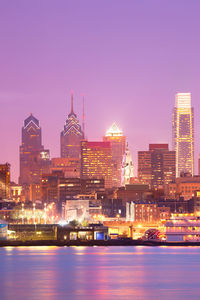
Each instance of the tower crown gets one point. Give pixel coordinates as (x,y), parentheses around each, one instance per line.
(31,119)
(183,100)
(114,131)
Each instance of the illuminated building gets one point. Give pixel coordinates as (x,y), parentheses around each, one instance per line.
(157,167)
(183,133)
(71,136)
(49,186)
(69,166)
(184,186)
(5,181)
(145,212)
(34,192)
(92,185)
(34,160)
(96,161)
(127,168)
(115,136)
(69,187)
(135,192)
(75,209)
(56,188)
(16,192)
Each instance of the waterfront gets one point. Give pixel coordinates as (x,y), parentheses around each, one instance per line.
(99,272)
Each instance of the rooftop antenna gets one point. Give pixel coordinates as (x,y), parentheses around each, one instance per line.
(83,117)
(72,102)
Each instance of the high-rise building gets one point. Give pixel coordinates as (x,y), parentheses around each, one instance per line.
(157,167)
(4,181)
(118,143)
(71,136)
(34,159)
(69,166)
(96,161)
(183,133)
(127,167)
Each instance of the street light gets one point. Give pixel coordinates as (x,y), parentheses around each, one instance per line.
(33,213)
(22,213)
(45,213)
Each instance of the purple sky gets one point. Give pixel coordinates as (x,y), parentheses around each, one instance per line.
(128,57)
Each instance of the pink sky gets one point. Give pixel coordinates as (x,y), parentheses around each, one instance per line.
(128,57)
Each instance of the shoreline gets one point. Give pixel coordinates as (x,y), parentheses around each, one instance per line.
(6,243)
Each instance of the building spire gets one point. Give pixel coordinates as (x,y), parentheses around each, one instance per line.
(72,102)
(83,117)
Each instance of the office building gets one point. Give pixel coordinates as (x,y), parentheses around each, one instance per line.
(146,212)
(49,187)
(16,193)
(183,187)
(118,143)
(157,167)
(71,136)
(34,159)
(183,133)
(96,161)
(69,166)
(4,181)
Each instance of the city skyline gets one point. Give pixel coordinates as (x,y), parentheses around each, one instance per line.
(79,120)
(100,149)
(129,67)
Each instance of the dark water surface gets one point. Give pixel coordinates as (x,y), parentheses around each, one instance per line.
(99,273)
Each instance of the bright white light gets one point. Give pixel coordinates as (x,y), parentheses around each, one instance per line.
(63,222)
(114,131)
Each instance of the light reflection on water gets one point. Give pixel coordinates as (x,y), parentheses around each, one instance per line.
(99,273)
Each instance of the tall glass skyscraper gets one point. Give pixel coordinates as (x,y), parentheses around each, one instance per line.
(71,136)
(183,133)
(118,143)
(34,159)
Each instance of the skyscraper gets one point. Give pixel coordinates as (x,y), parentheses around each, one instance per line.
(183,133)
(118,143)
(157,167)
(71,136)
(34,159)
(96,161)
(4,181)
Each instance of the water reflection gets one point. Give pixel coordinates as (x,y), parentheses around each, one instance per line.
(99,272)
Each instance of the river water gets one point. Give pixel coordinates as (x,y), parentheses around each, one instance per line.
(58,273)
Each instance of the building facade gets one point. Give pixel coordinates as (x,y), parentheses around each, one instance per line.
(157,167)
(71,136)
(96,161)
(118,143)
(4,181)
(34,159)
(183,133)
(69,166)
(146,212)
(183,187)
